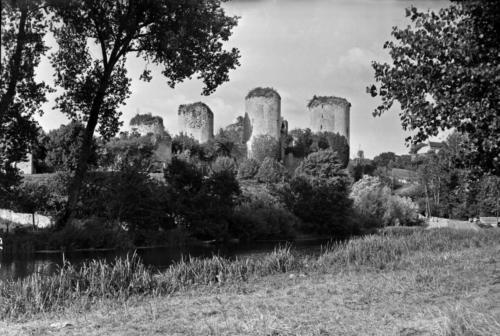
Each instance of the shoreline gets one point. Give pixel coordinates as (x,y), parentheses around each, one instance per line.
(431,282)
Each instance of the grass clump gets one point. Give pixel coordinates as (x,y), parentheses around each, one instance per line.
(464,321)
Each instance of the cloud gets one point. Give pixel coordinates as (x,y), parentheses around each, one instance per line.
(357,58)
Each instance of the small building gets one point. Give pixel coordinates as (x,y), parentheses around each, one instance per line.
(426,148)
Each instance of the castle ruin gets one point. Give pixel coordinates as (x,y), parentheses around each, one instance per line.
(145,124)
(262,118)
(263,110)
(330,114)
(196,120)
(149,125)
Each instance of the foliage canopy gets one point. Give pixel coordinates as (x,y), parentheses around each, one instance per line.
(445,73)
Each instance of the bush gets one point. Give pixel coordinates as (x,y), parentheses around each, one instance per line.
(223,164)
(255,220)
(201,205)
(323,205)
(248,169)
(271,171)
(375,204)
(45,194)
(401,211)
(323,164)
(130,196)
(89,233)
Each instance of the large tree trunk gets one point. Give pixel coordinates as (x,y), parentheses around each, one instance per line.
(85,151)
(15,64)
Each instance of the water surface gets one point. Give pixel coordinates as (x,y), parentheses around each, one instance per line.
(157,258)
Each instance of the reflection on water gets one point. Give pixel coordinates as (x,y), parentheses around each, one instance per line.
(157,258)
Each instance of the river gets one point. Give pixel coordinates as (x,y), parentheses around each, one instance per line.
(157,258)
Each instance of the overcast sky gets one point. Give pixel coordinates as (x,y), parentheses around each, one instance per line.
(298,47)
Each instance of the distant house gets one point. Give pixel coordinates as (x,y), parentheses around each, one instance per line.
(425,148)
(403,176)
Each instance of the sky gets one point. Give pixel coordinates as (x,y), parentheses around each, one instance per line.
(300,48)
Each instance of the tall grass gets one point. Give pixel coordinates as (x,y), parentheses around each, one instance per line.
(96,280)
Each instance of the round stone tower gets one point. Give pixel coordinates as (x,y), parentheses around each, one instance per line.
(330,114)
(197,120)
(263,108)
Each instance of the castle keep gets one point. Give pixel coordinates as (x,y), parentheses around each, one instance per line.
(263,109)
(330,114)
(196,120)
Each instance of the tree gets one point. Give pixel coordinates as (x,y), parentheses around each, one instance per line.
(184,37)
(374,203)
(323,204)
(449,189)
(445,73)
(302,140)
(384,159)
(23,26)
(322,164)
(129,150)
(271,171)
(224,164)
(336,143)
(318,194)
(248,169)
(201,205)
(61,147)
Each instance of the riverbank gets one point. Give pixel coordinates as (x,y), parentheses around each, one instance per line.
(431,282)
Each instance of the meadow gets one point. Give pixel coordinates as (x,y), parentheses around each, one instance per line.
(401,282)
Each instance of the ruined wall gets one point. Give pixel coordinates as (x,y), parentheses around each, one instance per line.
(10,220)
(330,114)
(263,107)
(196,120)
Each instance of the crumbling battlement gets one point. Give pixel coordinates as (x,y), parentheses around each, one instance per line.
(196,120)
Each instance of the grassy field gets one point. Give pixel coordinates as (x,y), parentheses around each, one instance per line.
(436,282)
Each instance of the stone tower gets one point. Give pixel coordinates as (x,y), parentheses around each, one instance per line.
(263,109)
(330,114)
(196,120)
